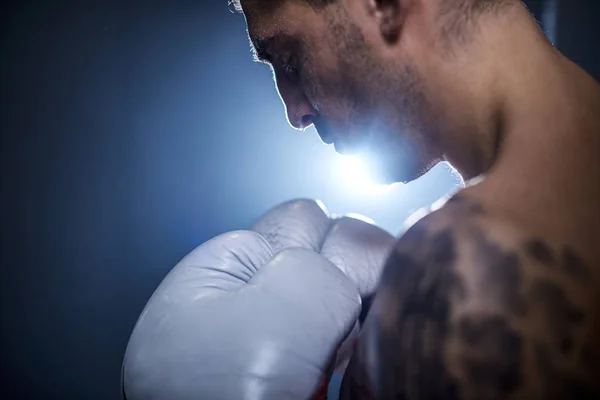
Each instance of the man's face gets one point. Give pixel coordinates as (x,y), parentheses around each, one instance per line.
(359,98)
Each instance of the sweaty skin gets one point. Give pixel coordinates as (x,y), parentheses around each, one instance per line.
(496,294)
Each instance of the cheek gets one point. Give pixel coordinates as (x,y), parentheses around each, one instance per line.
(316,86)
(328,94)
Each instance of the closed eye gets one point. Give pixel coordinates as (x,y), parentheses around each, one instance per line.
(291,71)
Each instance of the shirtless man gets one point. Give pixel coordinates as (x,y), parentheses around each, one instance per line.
(495,294)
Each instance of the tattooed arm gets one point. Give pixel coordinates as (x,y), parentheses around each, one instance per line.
(471,308)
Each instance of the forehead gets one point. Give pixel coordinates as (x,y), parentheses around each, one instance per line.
(268,18)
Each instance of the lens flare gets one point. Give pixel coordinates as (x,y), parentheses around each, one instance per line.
(354,173)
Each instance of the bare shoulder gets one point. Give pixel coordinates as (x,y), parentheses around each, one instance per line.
(472,307)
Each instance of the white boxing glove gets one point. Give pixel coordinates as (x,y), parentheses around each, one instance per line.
(355,246)
(251,317)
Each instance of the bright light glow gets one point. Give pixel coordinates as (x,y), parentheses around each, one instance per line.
(360,217)
(352,172)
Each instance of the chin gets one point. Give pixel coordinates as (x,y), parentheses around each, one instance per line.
(402,176)
(401,170)
(425,168)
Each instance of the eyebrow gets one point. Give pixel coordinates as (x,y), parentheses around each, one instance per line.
(264,48)
(260,48)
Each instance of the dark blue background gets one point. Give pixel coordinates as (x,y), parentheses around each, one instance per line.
(131,134)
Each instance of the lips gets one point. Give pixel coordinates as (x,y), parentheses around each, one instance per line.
(342,143)
(324,131)
(327,139)
(339,148)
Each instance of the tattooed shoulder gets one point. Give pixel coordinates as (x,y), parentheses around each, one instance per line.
(470,307)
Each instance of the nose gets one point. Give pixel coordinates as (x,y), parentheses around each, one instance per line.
(300,113)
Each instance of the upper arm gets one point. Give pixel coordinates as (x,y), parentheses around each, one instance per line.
(470,307)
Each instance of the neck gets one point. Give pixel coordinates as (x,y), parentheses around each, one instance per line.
(538,145)
(518,86)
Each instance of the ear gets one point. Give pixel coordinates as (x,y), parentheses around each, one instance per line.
(390,14)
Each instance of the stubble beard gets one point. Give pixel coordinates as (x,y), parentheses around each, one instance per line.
(387,101)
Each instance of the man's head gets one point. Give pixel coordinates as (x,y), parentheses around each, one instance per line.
(375,77)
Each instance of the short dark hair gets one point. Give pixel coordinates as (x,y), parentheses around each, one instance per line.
(456,17)
(270,5)
(460,10)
